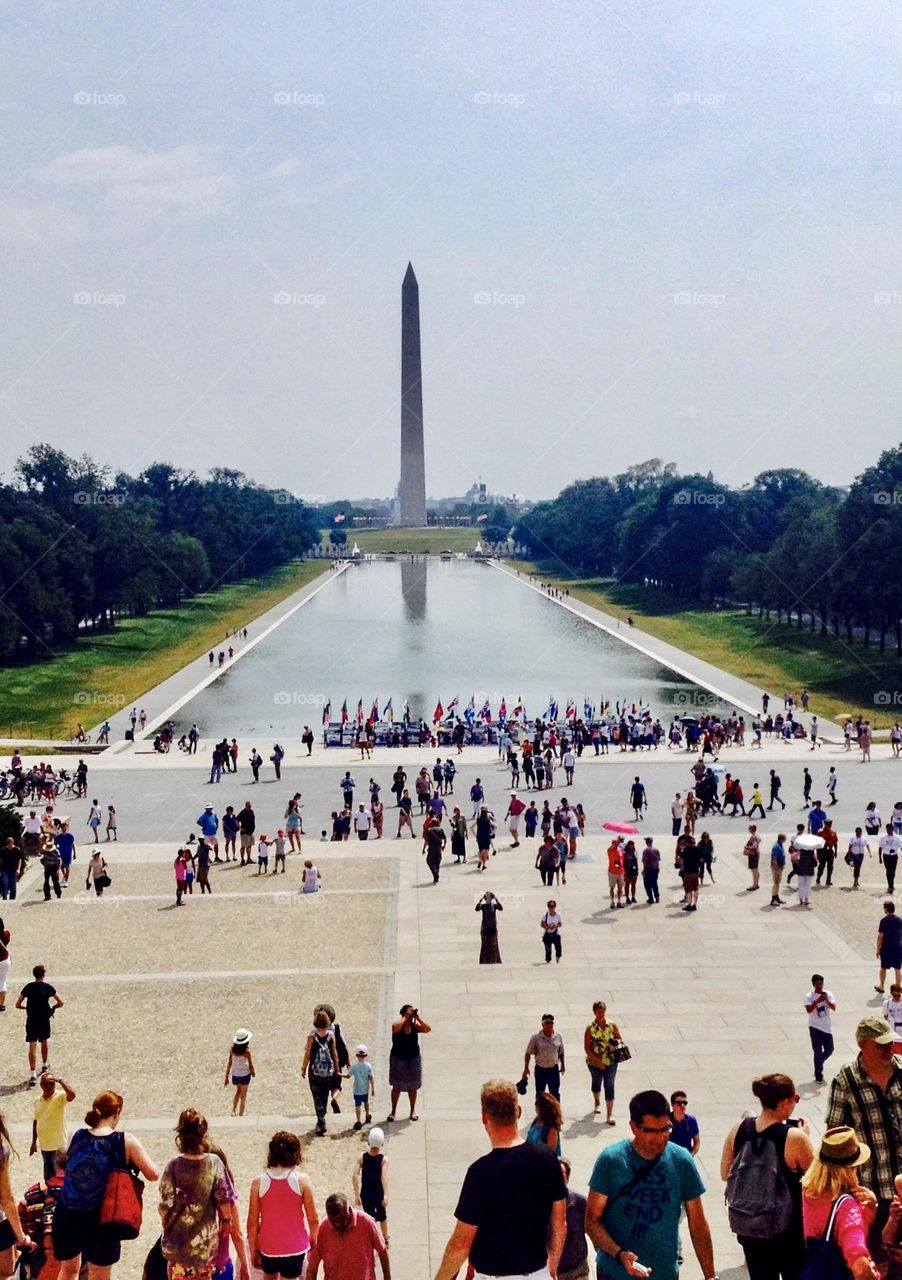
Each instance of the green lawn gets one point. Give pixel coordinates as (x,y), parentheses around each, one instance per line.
(426,541)
(104,672)
(840,677)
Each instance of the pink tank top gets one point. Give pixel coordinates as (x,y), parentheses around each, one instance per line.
(283,1223)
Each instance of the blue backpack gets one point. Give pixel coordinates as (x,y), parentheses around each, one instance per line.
(90,1162)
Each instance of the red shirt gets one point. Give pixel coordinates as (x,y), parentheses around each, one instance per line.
(348,1255)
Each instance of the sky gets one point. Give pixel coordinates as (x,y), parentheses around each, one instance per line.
(660,228)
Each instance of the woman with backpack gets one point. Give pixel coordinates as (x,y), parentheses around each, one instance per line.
(762,1163)
(78,1234)
(321,1060)
(837,1211)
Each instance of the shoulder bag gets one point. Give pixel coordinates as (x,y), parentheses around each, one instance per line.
(122,1204)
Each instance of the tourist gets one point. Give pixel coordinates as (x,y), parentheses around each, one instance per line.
(633,1218)
(405,1062)
(281,1218)
(892,1012)
(514,809)
(362,823)
(574,1260)
(638,798)
(548,859)
(888,855)
(256,761)
(307,739)
(93,1152)
(630,871)
(5,963)
(511,1213)
(371,1181)
(889,945)
(209,825)
(858,847)
(770,1233)
(247,823)
(94,819)
(48,1128)
(458,825)
(546,1127)
(346,786)
(311,881)
(197,1201)
(547,1047)
(433,846)
(278,755)
(706,857)
(180,867)
(826,855)
(872,819)
(405,814)
(757,801)
(651,868)
(321,1058)
(689,865)
(804,862)
(230,829)
(477,795)
(601,1040)
(293,824)
(40,1002)
(489,906)
(752,851)
(836,1207)
(775,785)
(345,1243)
(615,872)
(264,844)
(483,828)
(112,830)
(239,1069)
(676,814)
(65,843)
(377,814)
(360,1072)
(866,1095)
(819,1005)
(202,862)
(551,924)
(12,864)
(685,1127)
(51,862)
(97,873)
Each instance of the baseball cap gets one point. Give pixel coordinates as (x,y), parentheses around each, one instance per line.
(376,1138)
(877,1029)
(362,1051)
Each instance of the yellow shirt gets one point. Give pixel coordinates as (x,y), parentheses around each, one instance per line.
(50,1117)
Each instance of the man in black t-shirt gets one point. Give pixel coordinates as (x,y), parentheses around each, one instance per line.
(511,1214)
(12,864)
(40,1002)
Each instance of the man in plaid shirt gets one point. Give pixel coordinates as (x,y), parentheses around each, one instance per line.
(867,1095)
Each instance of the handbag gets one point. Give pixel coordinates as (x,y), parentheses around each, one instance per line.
(104,881)
(121,1208)
(622,1052)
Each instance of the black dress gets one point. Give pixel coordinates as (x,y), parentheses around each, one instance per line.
(488,951)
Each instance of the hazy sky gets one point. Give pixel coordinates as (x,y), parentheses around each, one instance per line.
(649,228)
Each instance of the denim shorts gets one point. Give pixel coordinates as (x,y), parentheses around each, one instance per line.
(604,1079)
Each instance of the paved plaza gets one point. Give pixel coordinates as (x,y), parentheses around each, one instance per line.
(705,1001)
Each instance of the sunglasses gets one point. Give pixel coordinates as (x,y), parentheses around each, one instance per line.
(663,1132)
(681,1102)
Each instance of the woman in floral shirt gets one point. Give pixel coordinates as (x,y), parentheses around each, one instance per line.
(196,1197)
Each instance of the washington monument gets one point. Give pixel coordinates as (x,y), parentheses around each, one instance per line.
(412,491)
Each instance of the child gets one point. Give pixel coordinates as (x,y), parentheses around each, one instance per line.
(263,855)
(371,1181)
(111,823)
(312,878)
(279,843)
(239,1069)
(323,837)
(364,1085)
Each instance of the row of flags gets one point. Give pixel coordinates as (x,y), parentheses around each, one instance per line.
(469,713)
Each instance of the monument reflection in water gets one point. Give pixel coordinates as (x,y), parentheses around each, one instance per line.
(428,632)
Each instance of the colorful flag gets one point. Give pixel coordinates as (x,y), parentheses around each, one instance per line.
(588,709)
(485,712)
(550,711)
(518,709)
(327,711)
(453,704)
(470,710)
(405,710)
(502,711)
(374,713)
(360,710)
(438,713)
(344,712)
(388,712)
(571,709)
(554,710)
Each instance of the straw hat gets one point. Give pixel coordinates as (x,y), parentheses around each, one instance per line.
(840,1147)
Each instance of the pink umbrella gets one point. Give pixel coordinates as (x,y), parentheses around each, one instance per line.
(622,828)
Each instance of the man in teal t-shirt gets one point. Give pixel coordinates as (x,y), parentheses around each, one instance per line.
(636,1193)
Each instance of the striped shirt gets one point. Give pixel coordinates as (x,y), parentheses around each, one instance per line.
(876,1116)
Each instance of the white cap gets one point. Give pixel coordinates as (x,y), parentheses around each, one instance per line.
(376,1138)
(361,1050)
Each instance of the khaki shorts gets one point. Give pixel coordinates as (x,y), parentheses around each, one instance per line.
(247,840)
(615,881)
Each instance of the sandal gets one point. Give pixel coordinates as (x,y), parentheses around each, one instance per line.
(413,1117)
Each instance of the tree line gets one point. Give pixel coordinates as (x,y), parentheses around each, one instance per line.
(815,555)
(80,547)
